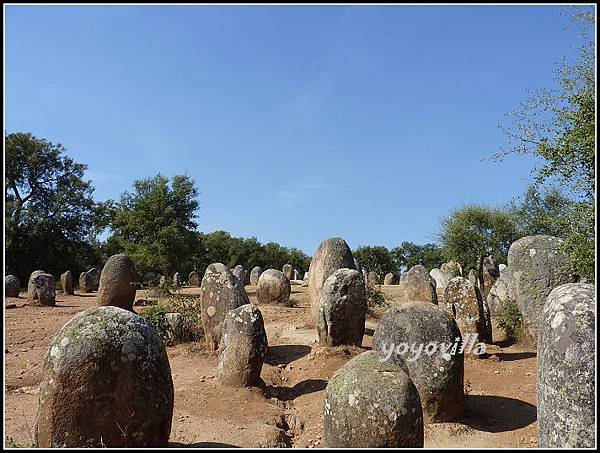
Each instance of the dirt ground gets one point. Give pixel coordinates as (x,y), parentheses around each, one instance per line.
(500,407)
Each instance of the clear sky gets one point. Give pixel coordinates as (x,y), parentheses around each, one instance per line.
(297,123)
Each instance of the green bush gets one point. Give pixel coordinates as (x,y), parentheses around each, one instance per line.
(290,302)
(375,298)
(155,316)
(511,320)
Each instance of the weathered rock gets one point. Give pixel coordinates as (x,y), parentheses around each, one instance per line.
(288,271)
(243,348)
(193,279)
(417,285)
(472,278)
(117,283)
(502,267)
(501,294)
(440,277)
(175,327)
(452,269)
(343,309)
(537,265)
(365,276)
(255,274)
(305,280)
(94,274)
(41,289)
(66,283)
(490,273)
(12,286)
(106,383)
(163,281)
(177,279)
(389,279)
(149,279)
(373,278)
(273,287)
(358,267)
(437,374)
(332,254)
(220,292)
(296,274)
(372,403)
(85,283)
(566,373)
(468,307)
(240,273)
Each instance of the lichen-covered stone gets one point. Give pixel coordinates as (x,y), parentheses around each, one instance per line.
(441,278)
(332,254)
(372,403)
(12,286)
(193,279)
(94,273)
(117,283)
(255,275)
(357,266)
(66,282)
(273,287)
(220,291)
(343,309)
(490,273)
(468,307)
(177,279)
(417,285)
(501,294)
(473,278)
(537,265)
(566,372)
(288,271)
(240,273)
(452,269)
(41,289)
(373,278)
(106,382)
(389,279)
(437,374)
(243,347)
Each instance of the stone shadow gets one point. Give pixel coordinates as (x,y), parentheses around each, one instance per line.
(286,353)
(496,414)
(301,388)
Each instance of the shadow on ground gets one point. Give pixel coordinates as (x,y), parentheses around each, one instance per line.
(495,414)
(286,353)
(301,388)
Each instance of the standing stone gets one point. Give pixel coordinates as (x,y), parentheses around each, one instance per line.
(66,283)
(12,286)
(288,271)
(106,383)
(502,267)
(255,274)
(177,279)
(332,254)
(41,289)
(452,269)
(193,279)
(343,309)
(490,273)
(243,348)
(239,272)
(537,265)
(220,292)
(501,294)
(437,374)
(389,279)
(273,287)
(162,282)
(417,285)
(85,283)
(372,403)
(365,276)
(117,283)
(470,310)
(472,278)
(296,274)
(305,279)
(357,266)
(566,373)
(441,278)
(94,274)
(373,278)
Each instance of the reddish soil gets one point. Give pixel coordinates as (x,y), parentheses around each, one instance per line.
(287,410)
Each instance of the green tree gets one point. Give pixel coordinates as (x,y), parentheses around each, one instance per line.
(376,259)
(49,208)
(155,225)
(475,231)
(409,254)
(558,127)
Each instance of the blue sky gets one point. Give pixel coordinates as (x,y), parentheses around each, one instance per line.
(297,123)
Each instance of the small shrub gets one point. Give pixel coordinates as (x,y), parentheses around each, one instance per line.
(511,320)
(290,302)
(155,316)
(376,300)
